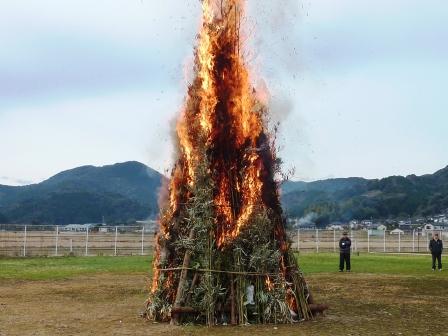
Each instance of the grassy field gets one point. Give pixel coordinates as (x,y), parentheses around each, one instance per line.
(68,267)
(384,295)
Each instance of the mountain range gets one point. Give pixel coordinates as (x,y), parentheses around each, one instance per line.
(122,193)
(126,192)
(344,199)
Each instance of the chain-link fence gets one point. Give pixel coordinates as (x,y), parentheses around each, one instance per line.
(82,240)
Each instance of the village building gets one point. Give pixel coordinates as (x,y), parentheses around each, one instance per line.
(397,232)
(381,227)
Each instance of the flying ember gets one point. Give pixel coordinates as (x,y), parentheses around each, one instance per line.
(222,253)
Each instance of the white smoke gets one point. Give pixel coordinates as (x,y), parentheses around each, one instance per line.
(276,40)
(308,219)
(276,35)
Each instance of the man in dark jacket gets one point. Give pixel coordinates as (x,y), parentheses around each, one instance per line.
(436,248)
(344,256)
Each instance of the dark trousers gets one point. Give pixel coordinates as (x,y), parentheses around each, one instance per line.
(344,257)
(439,260)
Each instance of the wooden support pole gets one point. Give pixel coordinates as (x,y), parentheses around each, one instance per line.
(183,310)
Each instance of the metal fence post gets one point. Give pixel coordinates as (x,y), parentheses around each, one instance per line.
(87,241)
(51,239)
(368,241)
(413,240)
(115,244)
(427,241)
(298,239)
(56,243)
(418,241)
(334,240)
(24,242)
(352,247)
(143,239)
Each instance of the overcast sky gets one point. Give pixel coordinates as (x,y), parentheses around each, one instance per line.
(359,85)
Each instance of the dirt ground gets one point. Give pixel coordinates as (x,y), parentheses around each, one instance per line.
(360,304)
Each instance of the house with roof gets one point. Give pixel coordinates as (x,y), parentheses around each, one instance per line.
(397,232)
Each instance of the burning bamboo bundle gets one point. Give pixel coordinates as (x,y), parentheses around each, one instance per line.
(222,253)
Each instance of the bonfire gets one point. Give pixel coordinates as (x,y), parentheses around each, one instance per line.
(222,253)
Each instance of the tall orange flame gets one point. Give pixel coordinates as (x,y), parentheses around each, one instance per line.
(222,114)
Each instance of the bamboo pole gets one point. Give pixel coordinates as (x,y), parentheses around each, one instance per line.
(210,306)
(232,301)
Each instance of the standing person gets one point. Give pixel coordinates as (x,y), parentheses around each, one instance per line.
(436,248)
(344,256)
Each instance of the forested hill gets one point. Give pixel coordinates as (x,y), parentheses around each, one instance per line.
(357,198)
(123,192)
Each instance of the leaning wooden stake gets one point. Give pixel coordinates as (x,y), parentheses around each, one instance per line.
(181,287)
(300,288)
(193,285)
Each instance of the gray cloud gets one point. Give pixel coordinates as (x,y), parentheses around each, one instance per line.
(61,56)
(78,65)
(103,77)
